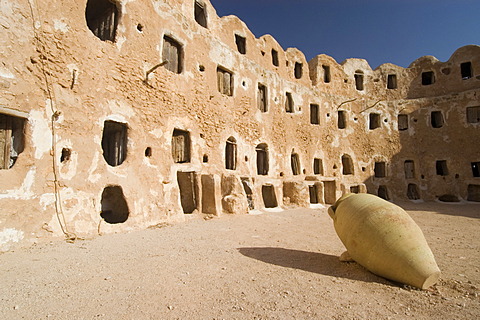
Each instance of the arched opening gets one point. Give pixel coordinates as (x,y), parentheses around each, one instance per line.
(114,142)
(231,154)
(262,159)
(102,18)
(114,205)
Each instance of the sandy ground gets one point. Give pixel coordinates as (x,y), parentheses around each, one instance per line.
(275,265)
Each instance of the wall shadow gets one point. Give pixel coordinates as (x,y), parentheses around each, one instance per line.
(315,262)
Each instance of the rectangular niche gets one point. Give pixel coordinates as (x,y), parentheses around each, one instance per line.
(412,192)
(355,189)
(383,192)
(347,165)
(392,81)
(409,167)
(172,53)
(289,105)
(317,166)
(476,169)
(11,140)
(326,73)
(298,70)
(313,191)
(473,193)
(187,183)
(380,170)
(269,197)
(359,80)
(466,70)
(374,121)
(314,114)
(402,122)
(208,194)
(275,58)
(262,98)
(295,162)
(181,146)
(428,78)
(436,119)
(342,119)
(441,167)
(473,114)
(225,81)
(329,192)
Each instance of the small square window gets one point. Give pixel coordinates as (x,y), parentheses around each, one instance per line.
(428,78)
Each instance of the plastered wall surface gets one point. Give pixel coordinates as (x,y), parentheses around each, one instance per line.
(67,88)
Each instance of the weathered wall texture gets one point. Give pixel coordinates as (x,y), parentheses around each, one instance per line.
(170,132)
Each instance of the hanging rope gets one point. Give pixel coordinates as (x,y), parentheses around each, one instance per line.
(70,236)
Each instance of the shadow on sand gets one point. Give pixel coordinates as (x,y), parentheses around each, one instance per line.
(315,262)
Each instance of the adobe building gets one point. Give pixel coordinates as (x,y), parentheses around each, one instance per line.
(117,115)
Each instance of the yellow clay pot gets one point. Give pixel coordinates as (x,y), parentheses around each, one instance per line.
(384,239)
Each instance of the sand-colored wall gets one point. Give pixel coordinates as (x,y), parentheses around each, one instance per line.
(66,82)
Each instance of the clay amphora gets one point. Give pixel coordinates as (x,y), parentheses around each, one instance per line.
(384,239)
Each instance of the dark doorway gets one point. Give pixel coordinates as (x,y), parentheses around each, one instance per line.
(114,205)
(269,197)
(187,183)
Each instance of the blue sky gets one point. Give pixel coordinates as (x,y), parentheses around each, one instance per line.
(380,31)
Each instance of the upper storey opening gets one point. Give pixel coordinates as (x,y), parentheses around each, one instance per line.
(200,13)
(102,18)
